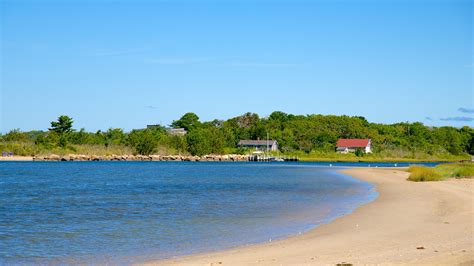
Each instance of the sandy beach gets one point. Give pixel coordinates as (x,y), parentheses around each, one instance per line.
(409,223)
(16,158)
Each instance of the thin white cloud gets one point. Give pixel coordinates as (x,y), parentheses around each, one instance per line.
(209,60)
(178,61)
(260,64)
(458,119)
(115,53)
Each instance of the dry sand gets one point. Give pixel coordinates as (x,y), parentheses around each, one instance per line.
(16,158)
(427,223)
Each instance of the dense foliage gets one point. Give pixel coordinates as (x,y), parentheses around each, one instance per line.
(303,135)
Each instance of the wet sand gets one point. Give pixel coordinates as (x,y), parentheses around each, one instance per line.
(409,223)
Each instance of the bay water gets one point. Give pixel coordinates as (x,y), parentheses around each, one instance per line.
(128,212)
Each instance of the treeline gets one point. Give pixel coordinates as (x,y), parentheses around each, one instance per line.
(310,135)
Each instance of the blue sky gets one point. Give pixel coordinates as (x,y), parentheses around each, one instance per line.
(130,63)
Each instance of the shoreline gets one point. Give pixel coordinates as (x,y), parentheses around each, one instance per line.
(204,158)
(409,223)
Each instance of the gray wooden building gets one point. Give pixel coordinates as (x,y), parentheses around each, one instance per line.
(261,145)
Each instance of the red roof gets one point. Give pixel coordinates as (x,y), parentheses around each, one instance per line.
(358,143)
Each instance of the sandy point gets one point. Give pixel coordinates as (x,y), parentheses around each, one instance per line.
(427,223)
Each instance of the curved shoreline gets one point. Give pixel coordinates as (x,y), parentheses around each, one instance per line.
(409,223)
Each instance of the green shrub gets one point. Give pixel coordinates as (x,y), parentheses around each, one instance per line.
(145,141)
(359,152)
(18,148)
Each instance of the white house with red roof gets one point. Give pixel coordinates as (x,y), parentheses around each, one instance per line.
(351,145)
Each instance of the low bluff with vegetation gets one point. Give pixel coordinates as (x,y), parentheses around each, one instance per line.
(309,137)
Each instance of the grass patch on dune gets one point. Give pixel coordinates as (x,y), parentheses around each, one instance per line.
(465,172)
(458,170)
(423,173)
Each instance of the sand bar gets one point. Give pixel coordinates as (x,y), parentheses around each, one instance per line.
(409,223)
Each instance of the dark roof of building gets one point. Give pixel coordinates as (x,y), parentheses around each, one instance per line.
(357,143)
(256,142)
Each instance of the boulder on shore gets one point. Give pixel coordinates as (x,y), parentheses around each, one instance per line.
(113,157)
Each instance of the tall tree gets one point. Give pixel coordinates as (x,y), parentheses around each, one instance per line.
(63,125)
(188,121)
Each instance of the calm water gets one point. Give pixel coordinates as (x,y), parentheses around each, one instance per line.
(69,212)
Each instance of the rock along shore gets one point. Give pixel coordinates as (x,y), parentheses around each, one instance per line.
(185,158)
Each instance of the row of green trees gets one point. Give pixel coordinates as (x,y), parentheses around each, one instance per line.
(294,133)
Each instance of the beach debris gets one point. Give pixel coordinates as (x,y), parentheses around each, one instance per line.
(344,264)
(420,247)
(446,222)
(435,250)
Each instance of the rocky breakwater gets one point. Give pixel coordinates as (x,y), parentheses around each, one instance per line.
(179,158)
